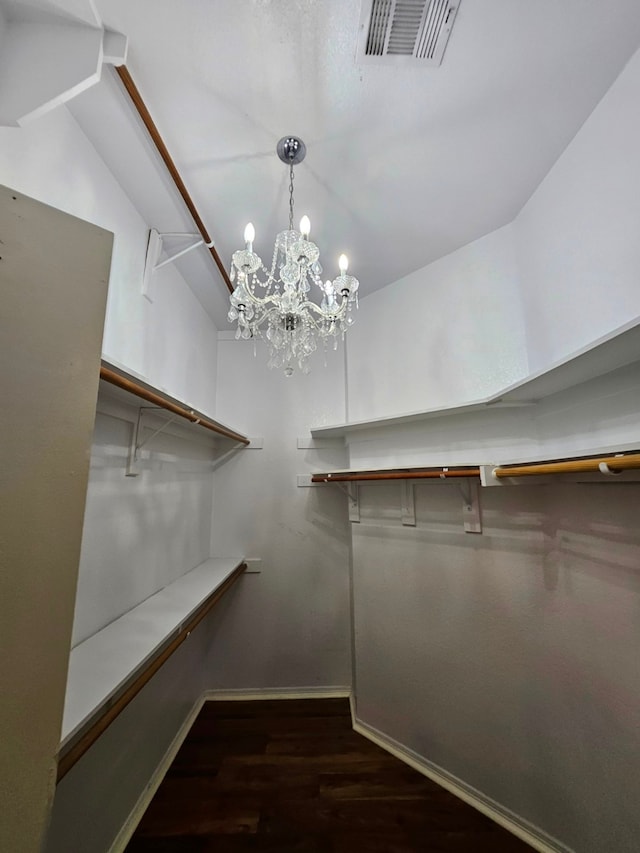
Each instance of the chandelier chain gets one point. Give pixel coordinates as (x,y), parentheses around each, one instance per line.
(291,197)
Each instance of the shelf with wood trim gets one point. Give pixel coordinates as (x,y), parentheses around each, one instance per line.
(136,387)
(107,670)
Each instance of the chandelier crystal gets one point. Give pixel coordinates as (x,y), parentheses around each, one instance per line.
(276,303)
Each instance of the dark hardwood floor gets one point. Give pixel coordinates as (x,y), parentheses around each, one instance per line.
(293,777)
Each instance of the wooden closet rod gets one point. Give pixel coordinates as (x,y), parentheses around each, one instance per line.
(610,465)
(75,750)
(408,474)
(110,375)
(163,151)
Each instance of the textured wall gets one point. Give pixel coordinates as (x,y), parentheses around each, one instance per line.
(577,237)
(289,625)
(450,332)
(140,533)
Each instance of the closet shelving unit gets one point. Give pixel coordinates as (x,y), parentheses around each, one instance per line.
(608,370)
(118,383)
(611,464)
(107,670)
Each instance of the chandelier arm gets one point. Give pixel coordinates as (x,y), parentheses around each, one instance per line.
(262,301)
(263,304)
(258,321)
(325,315)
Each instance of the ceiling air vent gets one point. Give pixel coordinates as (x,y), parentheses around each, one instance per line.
(404,31)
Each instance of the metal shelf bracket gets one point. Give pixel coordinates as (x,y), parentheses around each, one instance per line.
(471,507)
(408,503)
(353,500)
(136,444)
(154,250)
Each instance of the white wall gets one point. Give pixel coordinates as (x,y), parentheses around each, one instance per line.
(289,625)
(172,341)
(449,332)
(140,533)
(3,27)
(577,237)
(510,658)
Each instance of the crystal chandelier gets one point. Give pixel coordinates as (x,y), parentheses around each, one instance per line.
(276,303)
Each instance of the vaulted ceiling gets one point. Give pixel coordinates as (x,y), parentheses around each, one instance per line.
(404,164)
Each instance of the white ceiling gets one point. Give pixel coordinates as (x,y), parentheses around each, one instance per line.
(403,165)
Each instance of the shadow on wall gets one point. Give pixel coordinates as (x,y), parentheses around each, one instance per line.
(509,659)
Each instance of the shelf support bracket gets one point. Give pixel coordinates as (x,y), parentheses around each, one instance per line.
(471,507)
(133,468)
(154,250)
(408,503)
(353,499)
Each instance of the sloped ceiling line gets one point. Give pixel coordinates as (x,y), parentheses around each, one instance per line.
(145,115)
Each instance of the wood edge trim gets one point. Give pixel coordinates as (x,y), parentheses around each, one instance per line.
(129,384)
(71,754)
(134,93)
(439,474)
(591,465)
(585,465)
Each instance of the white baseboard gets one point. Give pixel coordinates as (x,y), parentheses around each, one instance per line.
(128,828)
(257,693)
(352,705)
(529,833)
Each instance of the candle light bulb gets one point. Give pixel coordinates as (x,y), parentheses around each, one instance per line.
(249,235)
(343,263)
(305,226)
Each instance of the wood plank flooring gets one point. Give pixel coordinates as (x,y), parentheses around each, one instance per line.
(293,777)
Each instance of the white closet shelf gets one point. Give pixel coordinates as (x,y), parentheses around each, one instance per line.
(609,353)
(103,666)
(130,388)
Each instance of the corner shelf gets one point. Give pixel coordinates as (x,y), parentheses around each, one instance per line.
(108,669)
(613,351)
